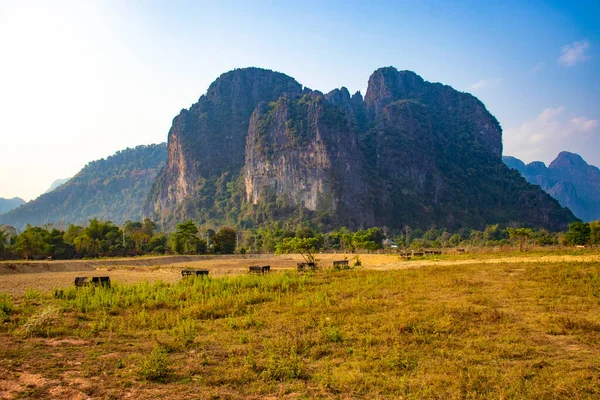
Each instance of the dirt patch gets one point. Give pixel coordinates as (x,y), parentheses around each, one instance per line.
(37,380)
(61,392)
(67,341)
(9,389)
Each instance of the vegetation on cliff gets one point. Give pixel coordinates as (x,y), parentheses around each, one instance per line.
(257,149)
(113,189)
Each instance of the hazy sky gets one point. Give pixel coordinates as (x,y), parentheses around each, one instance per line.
(80,80)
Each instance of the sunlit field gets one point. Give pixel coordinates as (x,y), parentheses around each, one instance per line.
(507,329)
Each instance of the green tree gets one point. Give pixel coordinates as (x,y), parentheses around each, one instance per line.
(304,246)
(225,240)
(185,239)
(158,244)
(455,240)
(3,241)
(32,242)
(492,233)
(578,233)
(521,236)
(341,238)
(595,232)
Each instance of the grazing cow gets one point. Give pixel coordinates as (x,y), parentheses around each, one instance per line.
(255,269)
(101,281)
(81,281)
(194,272)
(306,266)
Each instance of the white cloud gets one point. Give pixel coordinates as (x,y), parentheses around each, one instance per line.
(574,53)
(584,124)
(552,131)
(486,84)
(538,67)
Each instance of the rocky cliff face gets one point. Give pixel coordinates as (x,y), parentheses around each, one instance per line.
(569,179)
(257,147)
(303,151)
(209,139)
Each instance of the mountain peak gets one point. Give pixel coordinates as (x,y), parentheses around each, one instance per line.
(567,159)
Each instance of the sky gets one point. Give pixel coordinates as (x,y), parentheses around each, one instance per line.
(80,80)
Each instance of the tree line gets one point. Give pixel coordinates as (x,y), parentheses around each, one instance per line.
(105,239)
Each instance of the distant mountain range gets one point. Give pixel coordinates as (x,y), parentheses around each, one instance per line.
(9,204)
(113,189)
(569,179)
(56,184)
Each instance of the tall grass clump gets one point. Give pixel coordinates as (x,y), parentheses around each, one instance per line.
(39,324)
(155,366)
(6,306)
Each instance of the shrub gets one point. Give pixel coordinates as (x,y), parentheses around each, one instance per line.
(39,324)
(156,365)
(6,306)
(283,367)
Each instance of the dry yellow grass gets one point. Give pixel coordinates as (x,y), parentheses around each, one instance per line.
(517,328)
(17,277)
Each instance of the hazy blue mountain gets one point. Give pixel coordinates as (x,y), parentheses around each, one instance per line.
(9,204)
(56,184)
(569,179)
(113,189)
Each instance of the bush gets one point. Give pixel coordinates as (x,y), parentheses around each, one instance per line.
(6,306)
(156,365)
(283,367)
(39,324)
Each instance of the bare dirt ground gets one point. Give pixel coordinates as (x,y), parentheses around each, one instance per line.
(17,277)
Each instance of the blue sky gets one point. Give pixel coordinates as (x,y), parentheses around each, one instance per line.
(81,80)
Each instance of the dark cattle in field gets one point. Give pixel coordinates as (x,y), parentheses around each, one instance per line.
(341,264)
(81,281)
(101,281)
(255,269)
(194,272)
(306,266)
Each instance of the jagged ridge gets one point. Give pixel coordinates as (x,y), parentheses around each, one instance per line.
(257,147)
(569,179)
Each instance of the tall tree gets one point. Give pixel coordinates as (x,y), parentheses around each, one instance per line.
(578,233)
(185,239)
(225,240)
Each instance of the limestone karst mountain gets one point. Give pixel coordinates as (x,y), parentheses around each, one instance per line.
(258,147)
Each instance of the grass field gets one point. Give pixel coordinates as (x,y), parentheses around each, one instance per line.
(516,328)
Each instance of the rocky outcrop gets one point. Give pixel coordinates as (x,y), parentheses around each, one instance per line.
(303,150)
(209,138)
(257,148)
(569,179)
